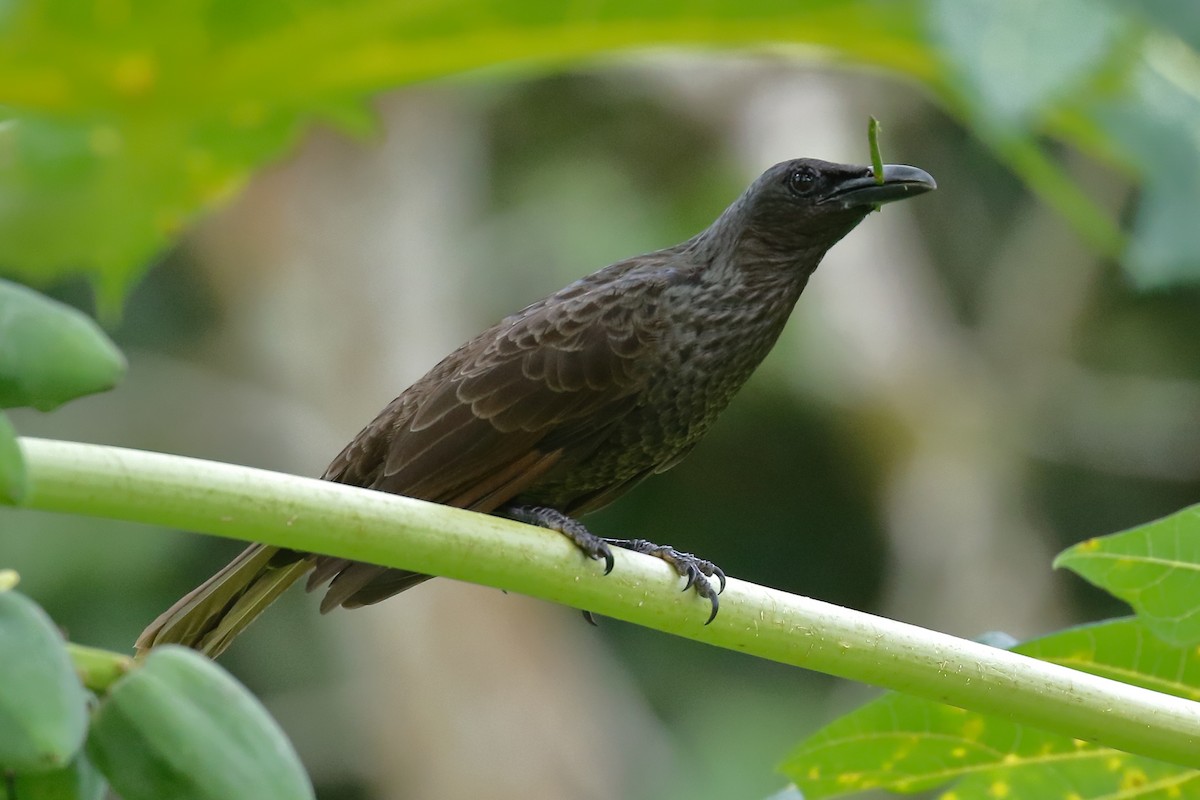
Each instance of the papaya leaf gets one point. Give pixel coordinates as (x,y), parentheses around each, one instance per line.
(1153,567)
(906,744)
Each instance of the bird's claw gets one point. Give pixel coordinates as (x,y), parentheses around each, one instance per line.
(597,550)
(695,571)
(720,575)
(592,545)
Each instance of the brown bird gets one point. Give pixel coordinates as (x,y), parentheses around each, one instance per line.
(562,407)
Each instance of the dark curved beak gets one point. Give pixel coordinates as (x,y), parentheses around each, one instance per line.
(899,181)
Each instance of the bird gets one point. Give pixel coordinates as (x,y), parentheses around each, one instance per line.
(560,408)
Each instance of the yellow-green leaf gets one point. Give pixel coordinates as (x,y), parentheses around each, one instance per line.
(126,120)
(906,744)
(1154,567)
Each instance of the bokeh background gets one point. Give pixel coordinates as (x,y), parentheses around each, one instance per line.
(971,382)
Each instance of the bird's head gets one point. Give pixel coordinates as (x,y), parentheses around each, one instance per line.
(807,205)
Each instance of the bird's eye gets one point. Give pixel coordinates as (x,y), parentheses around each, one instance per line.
(802,181)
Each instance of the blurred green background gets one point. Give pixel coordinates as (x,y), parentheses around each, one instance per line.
(971,381)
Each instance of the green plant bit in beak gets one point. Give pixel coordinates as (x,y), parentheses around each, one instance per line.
(876,158)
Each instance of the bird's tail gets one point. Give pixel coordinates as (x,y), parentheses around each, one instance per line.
(211,615)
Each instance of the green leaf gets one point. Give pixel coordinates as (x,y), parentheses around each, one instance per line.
(49,352)
(14,482)
(1088,73)
(906,744)
(1008,71)
(120,124)
(129,119)
(1154,567)
(1159,136)
(1172,16)
(1126,650)
(1098,777)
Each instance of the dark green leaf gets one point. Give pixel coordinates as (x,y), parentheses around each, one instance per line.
(49,352)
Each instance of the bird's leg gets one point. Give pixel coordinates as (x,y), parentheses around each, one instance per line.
(592,545)
(695,570)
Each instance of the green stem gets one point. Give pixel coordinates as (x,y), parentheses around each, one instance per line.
(310,515)
(98,669)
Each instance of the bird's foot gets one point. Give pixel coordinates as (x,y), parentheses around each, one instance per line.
(592,545)
(695,570)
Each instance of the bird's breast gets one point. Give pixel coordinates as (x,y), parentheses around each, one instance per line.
(708,345)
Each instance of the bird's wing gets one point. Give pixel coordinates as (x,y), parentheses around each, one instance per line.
(540,388)
(473,432)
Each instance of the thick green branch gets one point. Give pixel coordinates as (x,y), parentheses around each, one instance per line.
(250,504)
